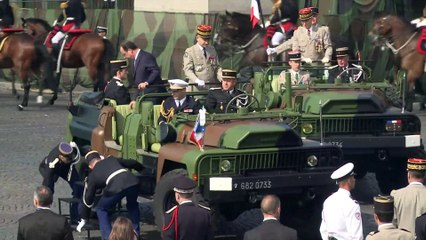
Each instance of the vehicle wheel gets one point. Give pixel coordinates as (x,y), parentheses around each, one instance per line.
(164,197)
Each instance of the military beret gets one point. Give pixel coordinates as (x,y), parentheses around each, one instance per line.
(294,56)
(177,84)
(101,29)
(305,14)
(416,164)
(343,172)
(183,184)
(228,73)
(204,31)
(342,51)
(92,155)
(383,204)
(65,148)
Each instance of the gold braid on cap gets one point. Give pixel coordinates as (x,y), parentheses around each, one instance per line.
(416,167)
(167,115)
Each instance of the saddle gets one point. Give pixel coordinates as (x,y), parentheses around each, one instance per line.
(12,30)
(70,37)
(421,44)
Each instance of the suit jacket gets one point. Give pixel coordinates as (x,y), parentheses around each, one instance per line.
(193,222)
(421,227)
(347,77)
(196,66)
(44,224)
(117,91)
(304,77)
(146,70)
(314,45)
(409,203)
(271,230)
(190,105)
(390,232)
(217,99)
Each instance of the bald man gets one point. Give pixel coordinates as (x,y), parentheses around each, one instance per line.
(271,228)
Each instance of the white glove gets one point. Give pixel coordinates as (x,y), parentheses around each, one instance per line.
(271,51)
(73,144)
(325,60)
(307,60)
(200,83)
(80,225)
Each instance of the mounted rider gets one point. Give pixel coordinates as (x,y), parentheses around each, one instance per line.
(74,15)
(7,18)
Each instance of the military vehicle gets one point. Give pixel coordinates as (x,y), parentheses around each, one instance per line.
(358,117)
(246,155)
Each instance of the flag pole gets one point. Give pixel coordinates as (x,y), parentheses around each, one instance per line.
(261,13)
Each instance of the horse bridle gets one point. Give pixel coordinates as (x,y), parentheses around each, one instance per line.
(389,41)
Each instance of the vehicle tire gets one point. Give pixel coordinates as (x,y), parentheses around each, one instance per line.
(164,197)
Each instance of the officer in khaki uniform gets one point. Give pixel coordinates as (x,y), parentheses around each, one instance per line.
(298,76)
(312,40)
(383,215)
(410,201)
(201,62)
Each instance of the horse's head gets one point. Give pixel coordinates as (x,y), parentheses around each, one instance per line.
(233,27)
(35,27)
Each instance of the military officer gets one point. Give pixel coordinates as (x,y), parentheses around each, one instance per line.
(61,162)
(102,31)
(410,201)
(7,18)
(298,76)
(347,72)
(312,41)
(201,62)
(115,88)
(187,220)
(341,215)
(110,175)
(178,102)
(218,98)
(383,215)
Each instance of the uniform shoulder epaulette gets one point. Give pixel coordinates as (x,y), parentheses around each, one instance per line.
(207,208)
(373,232)
(356,65)
(332,67)
(171,209)
(214,88)
(120,84)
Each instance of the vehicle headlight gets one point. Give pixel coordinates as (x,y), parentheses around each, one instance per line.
(393,125)
(307,128)
(312,161)
(225,165)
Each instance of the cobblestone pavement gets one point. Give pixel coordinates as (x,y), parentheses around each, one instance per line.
(27,136)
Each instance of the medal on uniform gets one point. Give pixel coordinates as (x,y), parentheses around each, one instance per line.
(221,106)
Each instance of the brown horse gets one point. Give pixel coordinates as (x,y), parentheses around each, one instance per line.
(19,53)
(89,50)
(401,37)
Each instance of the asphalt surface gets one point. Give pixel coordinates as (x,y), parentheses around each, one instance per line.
(27,136)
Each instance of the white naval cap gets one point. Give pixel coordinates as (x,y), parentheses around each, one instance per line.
(343,171)
(177,84)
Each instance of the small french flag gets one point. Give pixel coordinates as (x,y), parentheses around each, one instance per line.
(199,129)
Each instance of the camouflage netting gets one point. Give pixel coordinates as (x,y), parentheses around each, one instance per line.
(167,35)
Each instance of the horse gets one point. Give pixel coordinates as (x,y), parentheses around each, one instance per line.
(401,38)
(18,51)
(236,36)
(88,49)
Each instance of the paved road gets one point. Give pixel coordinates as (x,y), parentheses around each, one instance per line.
(27,136)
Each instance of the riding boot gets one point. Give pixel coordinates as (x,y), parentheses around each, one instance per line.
(55,51)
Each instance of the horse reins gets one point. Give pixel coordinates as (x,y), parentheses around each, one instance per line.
(396,51)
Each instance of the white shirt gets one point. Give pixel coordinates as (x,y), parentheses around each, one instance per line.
(179,103)
(341,217)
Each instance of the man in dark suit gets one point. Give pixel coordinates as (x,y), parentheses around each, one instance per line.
(115,88)
(421,227)
(271,228)
(43,223)
(218,98)
(146,74)
(178,102)
(187,220)
(347,72)
(111,175)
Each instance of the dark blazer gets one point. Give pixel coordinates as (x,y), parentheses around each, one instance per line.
(190,105)
(44,224)
(421,227)
(146,70)
(217,99)
(336,70)
(193,223)
(117,91)
(271,230)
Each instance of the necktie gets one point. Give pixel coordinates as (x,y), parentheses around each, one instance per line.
(297,77)
(205,53)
